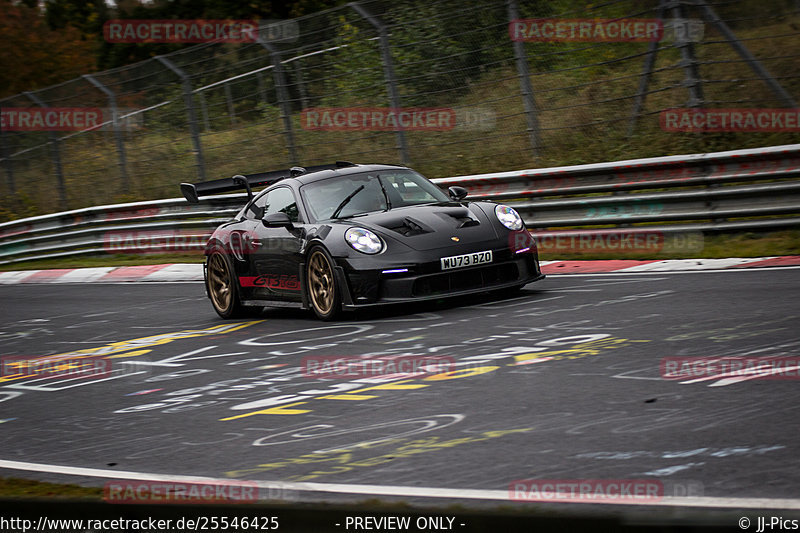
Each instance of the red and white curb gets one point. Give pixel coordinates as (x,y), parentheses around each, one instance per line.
(146,273)
(194,271)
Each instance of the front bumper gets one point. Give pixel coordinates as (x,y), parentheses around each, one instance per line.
(426,281)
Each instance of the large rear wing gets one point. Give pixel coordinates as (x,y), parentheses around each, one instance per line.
(193,191)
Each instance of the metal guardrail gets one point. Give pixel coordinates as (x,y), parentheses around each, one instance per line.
(725,191)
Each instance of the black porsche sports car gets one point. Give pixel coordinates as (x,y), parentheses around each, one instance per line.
(346,236)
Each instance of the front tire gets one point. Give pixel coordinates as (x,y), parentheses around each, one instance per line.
(324,294)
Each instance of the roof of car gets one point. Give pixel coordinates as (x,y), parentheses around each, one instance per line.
(356,169)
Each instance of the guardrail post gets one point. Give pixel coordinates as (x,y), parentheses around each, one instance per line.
(120,142)
(528,101)
(192,116)
(693,81)
(8,163)
(388,73)
(283,99)
(55,153)
(711,16)
(644,77)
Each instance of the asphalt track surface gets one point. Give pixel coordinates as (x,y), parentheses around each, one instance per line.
(561,382)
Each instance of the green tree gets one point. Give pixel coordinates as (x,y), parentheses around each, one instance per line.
(87,16)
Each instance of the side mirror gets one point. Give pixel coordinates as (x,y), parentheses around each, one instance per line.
(457,193)
(277,220)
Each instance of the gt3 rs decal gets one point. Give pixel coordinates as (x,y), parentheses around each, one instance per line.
(271,281)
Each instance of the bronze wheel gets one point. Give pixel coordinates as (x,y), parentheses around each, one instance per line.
(223,289)
(322,290)
(220,287)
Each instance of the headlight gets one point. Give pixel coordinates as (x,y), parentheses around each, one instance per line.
(508,217)
(363,240)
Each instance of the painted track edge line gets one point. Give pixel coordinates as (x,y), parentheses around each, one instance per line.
(660,272)
(398,490)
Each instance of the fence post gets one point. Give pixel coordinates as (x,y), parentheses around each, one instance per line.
(388,73)
(192,116)
(229,100)
(120,142)
(8,163)
(644,77)
(204,111)
(301,85)
(55,153)
(531,111)
(688,59)
(283,98)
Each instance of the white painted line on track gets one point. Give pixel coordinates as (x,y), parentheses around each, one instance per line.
(692,264)
(628,272)
(403,491)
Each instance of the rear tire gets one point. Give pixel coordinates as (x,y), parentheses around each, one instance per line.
(324,294)
(223,287)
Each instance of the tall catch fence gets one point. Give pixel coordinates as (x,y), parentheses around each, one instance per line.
(450,87)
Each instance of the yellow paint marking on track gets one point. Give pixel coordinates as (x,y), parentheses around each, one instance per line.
(577,351)
(146,342)
(397,385)
(136,353)
(347,397)
(279,410)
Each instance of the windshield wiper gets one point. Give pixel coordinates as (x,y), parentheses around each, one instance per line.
(346,201)
(354,215)
(385,195)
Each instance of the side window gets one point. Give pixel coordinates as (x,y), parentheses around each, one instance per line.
(281,200)
(409,191)
(256,209)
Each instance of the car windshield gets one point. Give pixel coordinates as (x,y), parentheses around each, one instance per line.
(355,194)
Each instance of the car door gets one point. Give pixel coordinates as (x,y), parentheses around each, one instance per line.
(275,251)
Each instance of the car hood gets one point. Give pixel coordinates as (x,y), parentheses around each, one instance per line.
(427,227)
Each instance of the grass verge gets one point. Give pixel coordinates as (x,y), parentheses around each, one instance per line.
(25,488)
